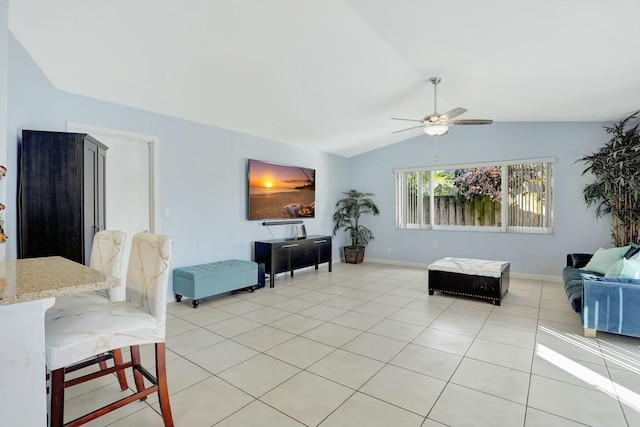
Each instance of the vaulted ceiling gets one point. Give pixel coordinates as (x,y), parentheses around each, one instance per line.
(329,74)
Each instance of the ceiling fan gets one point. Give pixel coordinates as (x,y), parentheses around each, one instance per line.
(438,124)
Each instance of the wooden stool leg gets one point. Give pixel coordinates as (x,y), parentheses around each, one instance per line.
(163,390)
(137,376)
(122,378)
(57,398)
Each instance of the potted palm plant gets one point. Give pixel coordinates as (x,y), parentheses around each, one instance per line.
(616,187)
(347,218)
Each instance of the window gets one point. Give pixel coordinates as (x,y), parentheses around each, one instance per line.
(505,197)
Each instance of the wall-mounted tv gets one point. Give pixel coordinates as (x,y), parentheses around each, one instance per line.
(278,191)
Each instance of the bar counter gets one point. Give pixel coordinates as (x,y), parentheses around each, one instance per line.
(28,288)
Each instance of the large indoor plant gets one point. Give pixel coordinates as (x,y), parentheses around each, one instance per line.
(616,187)
(347,218)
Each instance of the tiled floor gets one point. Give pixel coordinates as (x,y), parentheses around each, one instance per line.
(367,346)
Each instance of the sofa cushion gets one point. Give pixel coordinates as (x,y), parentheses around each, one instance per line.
(603,259)
(573,278)
(633,251)
(624,268)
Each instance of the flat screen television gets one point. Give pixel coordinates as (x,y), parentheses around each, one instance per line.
(278,191)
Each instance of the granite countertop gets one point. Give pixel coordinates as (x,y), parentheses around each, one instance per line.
(49,277)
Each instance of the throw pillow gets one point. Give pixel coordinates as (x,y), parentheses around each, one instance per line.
(633,251)
(624,268)
(603,259)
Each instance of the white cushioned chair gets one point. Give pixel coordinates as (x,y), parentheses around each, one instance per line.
(107,252)
(77,335)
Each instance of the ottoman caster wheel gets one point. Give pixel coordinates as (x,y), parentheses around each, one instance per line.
(195,303)
(178,298)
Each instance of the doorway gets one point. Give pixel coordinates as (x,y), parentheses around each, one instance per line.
(131,171)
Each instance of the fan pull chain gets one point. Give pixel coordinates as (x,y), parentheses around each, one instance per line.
(436,151)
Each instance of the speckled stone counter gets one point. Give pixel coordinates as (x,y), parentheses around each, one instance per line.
(28,288)
(39,278)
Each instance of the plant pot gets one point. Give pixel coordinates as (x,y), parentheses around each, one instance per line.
(353,255)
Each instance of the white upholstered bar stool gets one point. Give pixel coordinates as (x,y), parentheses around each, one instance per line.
(107,252)
(75,337)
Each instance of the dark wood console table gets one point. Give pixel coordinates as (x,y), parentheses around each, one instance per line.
(282,255)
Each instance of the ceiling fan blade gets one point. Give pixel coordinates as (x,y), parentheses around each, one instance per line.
(453,113)
(407,120)
(472,122)
(402,130)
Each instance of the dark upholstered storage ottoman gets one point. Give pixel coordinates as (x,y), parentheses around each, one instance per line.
(470,277)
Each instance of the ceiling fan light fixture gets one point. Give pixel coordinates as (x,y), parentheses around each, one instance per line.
(435,130)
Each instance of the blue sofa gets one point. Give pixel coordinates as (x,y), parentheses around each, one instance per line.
(603,303)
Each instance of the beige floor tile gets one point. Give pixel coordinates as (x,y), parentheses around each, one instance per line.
(576,403)
(461,406)
(376,309)
(444,341)
(346,368)
(495,358)
(394,300)
(322,312)
(293,305)
(263,338)
(415,317)
(456,325)
(407,389)
(177,326)
(546,368)
(266,315)
(296,324)
(144,417)
(259,374)
(501,354)
(316,296)
(501,334)
(496,380)
(86,403)
(536,418)
(343,302)
(363,410)
(203,316)
(257,414)
(236,325)
(518,310)
(221,356)
(300,351)
(355,320)
(559,316)
(438,364)
(330,334)
(206,403)
(191,341)
(513,321)
(375,346)
(241,306)
(307,398)
(466,313)
(397,330)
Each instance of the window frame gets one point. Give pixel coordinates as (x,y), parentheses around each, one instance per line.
(504,227)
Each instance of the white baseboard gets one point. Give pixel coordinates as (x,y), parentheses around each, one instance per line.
(425,266)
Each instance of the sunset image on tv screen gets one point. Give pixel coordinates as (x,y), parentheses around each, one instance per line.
(279,191)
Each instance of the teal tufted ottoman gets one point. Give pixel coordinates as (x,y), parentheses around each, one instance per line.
(205,280)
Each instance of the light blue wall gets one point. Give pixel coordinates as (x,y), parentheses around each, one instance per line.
(202,168)
(202,179)
(576,229)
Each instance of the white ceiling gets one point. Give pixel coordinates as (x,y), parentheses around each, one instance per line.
(329,74)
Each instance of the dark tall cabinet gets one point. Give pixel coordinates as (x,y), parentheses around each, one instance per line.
(61,194)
